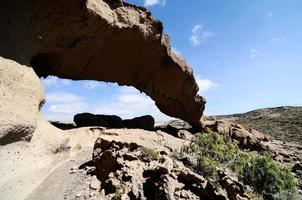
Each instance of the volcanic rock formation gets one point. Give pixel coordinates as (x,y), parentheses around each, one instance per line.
(110,41)
(137,172)
(112,121)
(21,97)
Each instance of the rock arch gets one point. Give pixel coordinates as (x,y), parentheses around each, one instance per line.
(110,41)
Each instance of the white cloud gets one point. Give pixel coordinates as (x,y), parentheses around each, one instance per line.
(253,53)
(65,103)
(91,85)
(130,103)
(54,81)
(68,108)
(63,97)
(148,3)
(199,34)
(126,103)
(269,14)
(205,85)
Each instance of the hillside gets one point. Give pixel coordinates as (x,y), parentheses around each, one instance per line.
(283,123)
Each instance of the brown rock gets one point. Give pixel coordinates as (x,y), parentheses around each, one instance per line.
(234,189)
(177,128)
(144,122)
(163,178)
(87,119)
(112,121)
(62,126)
(100,40)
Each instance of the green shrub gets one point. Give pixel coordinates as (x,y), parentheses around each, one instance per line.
(148,153)
(118,193)
(265,176)
(211,152)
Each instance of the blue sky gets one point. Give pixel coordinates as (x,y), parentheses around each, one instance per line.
(245,54)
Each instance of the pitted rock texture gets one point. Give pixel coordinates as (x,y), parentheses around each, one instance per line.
(130,171)
(21,97)
(110,41)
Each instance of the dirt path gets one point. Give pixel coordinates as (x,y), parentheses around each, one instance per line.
(61,183)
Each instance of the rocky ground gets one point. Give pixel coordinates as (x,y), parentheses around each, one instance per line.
(104,163)
(111,41)
(282,123)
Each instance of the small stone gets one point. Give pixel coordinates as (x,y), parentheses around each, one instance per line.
(95,184)
(79,194)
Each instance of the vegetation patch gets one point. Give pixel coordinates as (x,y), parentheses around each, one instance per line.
(118,193)
(283,123)
(149,154)
(266,177)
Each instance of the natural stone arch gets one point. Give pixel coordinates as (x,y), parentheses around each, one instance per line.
(95,40)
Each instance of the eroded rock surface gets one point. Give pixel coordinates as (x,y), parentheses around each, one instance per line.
(21,97)
(130,171)
(110,41)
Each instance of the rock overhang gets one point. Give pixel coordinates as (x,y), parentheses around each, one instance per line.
(109,41)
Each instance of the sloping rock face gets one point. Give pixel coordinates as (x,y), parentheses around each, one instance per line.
(110,41)
(21,97)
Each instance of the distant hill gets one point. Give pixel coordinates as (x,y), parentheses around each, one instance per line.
(282,123)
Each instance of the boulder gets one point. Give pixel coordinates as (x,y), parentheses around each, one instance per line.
(144,122)
(234,189)
(87,119)
(21,98)
(110,41)
(112,121)
(246,138)
(62,126)
(177,128)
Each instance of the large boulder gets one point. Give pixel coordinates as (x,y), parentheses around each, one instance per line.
(21,97)
(177,128)
(144,122)
(87,119)
(112,121)
(110,41)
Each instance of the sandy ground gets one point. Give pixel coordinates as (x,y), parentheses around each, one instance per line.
(23,170)
(36,170)
(61,183)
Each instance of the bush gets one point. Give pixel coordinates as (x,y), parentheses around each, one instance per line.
(265,176)
(149,154)
(118,194)
(211,152)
